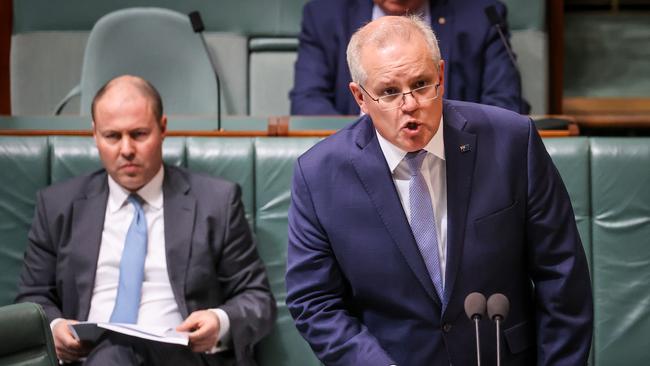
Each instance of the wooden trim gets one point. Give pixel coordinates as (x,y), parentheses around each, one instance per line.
(600,106)
(614,121)
(211,133)
(6,23)
(555,28)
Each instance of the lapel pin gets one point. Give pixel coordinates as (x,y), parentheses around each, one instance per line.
(465,148)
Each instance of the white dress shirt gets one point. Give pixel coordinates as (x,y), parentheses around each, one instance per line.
(158,306)
(434,172)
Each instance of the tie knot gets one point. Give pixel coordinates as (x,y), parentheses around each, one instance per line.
(414,160)
(136,200)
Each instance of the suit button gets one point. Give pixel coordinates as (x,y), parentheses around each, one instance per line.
(446,328)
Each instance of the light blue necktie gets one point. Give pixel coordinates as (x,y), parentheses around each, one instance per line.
(129,290)
(423,223)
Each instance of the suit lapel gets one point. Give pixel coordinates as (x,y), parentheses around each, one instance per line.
(371,167)
(87,225)
(179,214)
(460,153)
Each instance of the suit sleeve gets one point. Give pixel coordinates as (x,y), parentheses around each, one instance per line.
(558,265)
(250,305)
(315,73)
(316,290)
(501,81)
(38,276)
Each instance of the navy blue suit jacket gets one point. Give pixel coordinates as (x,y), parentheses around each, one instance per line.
(477,66)
(359,290)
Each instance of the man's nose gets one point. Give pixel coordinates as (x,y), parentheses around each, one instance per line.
(126,147)
(409,102)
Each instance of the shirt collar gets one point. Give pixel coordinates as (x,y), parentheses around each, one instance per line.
(151,192)
(394,155)
(424,12)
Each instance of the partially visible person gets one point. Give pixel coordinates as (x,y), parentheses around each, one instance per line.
(143,242)
(478,68)
(396,218)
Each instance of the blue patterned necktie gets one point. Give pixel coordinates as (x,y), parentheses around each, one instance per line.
(423,223)
(129,290)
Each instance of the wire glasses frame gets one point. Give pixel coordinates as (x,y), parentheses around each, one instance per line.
(396,100)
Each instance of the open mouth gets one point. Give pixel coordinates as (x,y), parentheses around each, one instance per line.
(411,126)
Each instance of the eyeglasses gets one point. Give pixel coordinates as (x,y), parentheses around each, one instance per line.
(396,100)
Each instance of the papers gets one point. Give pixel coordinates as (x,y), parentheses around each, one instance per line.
(91,332)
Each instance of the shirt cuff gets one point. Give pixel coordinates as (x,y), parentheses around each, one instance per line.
(223,338)
(54,322)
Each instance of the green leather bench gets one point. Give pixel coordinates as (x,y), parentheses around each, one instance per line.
(608,180)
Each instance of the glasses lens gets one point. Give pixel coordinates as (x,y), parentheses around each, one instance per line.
(421,94)
(391,101)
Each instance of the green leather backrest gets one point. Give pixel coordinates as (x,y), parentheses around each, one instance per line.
(229,158)
(25,337)
(620,198)
(274,162)
(25,169)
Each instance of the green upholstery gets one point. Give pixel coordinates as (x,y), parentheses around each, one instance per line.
(25,169)
(607,180)
(271,68)
(620,176)
(230,158)
(274,167)
(158,45)
(25,337)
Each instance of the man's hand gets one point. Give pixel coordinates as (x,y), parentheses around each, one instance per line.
(68,349)
(203,326)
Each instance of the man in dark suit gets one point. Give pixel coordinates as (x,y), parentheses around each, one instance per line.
(183,235)
(395,219)
(478,68)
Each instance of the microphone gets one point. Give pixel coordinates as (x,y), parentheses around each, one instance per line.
(197,26)
(475,310)
(495,20)
(498,307)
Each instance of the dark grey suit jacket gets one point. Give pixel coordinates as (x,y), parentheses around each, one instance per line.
(211,258)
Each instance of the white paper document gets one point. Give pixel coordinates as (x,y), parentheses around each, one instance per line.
(92,331)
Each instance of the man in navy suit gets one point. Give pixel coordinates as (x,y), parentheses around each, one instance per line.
(478,68)
(383,251)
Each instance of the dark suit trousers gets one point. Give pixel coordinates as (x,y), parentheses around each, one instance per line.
(115,349)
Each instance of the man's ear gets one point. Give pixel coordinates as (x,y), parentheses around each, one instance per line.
(358,95)
(441,76)
(163,125)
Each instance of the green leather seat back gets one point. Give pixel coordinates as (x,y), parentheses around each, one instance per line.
(25,337)
(24,167)
(271,68)
(571,157)
(620,176)
(157,44)
(229,158)
(273,172)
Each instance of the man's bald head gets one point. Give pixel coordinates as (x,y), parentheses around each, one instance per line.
(133,83)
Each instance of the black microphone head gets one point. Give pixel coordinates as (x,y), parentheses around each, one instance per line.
(493,15)
(197,22)
(475,305)
(498,306)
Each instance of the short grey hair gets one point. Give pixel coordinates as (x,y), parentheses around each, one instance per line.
(396,27)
